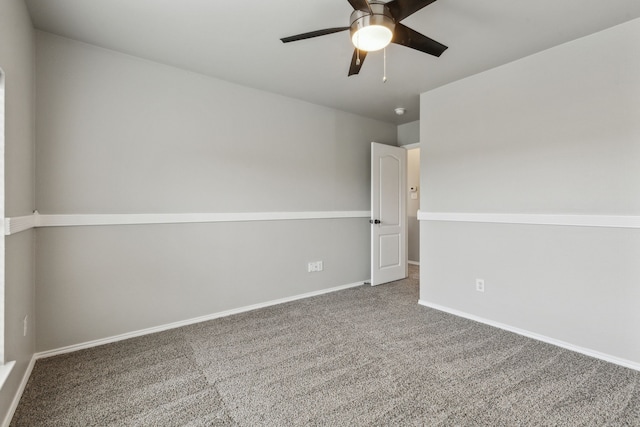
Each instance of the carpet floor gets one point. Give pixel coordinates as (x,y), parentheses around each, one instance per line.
(362,356)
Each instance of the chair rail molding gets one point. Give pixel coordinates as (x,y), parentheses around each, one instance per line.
(17,224)
(611,221)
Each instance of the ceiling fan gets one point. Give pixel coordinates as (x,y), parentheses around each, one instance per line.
(375,24)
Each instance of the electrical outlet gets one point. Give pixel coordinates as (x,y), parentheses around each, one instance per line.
(25,325)
(315,266)
(480,285)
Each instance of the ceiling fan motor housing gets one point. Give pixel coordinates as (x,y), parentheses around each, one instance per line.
(379,20)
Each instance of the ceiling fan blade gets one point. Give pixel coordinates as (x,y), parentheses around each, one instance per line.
(355,66)
(362,5)
(405,36)
(400,9)
(313,34)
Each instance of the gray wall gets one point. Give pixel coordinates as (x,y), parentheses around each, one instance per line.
(103,281)
(117,134)
(16,59)
(553,133)
(409,133)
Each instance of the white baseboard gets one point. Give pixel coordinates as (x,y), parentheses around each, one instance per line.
(147,331)
(586,351)
(413,262)
(16,398)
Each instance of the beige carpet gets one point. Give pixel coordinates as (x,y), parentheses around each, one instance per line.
(363,356)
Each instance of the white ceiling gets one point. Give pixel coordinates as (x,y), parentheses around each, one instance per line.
(238,41)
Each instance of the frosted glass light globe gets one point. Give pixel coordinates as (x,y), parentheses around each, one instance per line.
(372,38)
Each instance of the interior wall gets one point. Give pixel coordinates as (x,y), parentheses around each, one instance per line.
(17,61)
(119,135)
(409,133)
(553,133)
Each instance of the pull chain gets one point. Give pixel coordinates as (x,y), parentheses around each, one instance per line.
(358,50)
(384,66)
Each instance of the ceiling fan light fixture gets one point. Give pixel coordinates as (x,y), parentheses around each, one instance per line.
(372,38)
(372,31)
(376,23)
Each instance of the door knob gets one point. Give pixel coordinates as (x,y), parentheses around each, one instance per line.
(374,221)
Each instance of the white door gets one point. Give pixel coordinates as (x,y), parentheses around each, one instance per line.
(388,211)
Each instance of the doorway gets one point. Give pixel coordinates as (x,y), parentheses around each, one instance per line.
(413,204)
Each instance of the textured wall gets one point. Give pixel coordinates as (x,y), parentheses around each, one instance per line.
(117,134)
(554,133)
(17,63)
